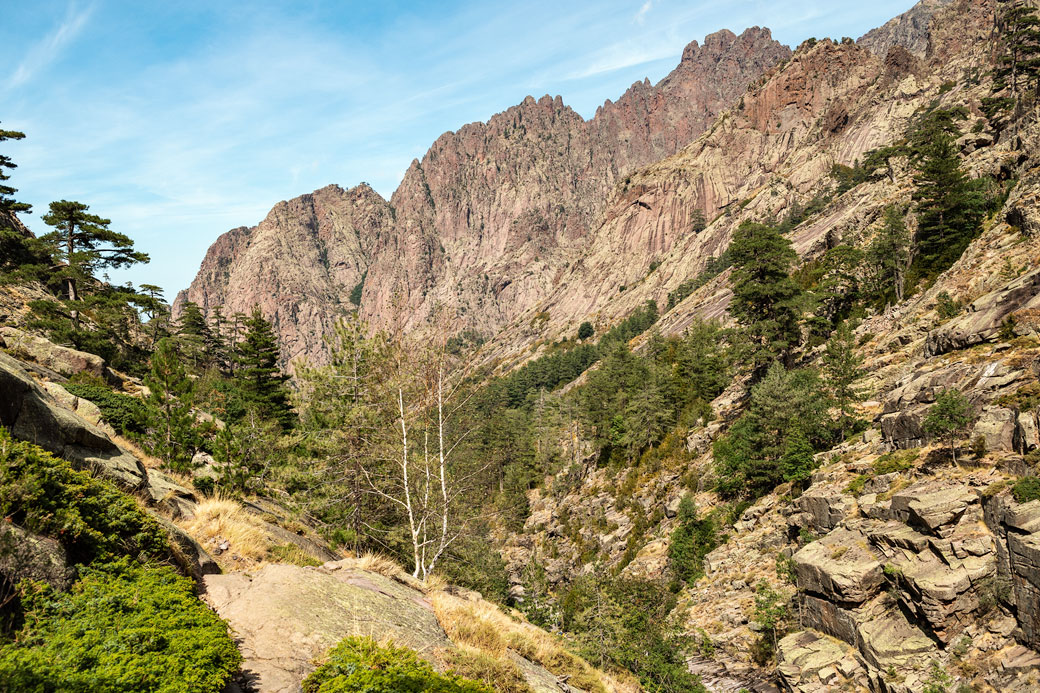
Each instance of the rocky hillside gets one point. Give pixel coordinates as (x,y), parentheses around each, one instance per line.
(486,223)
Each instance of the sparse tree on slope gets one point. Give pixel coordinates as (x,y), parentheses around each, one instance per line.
(843,366)
(8,205)
(174,437)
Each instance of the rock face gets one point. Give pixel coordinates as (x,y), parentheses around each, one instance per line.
(910,30)
(62,360)
(1018,301)
(484,223)
(33,415)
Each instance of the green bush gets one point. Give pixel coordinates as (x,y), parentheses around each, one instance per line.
(1027,489)
(126,414)
(123,627)
(90,518)
(360,665)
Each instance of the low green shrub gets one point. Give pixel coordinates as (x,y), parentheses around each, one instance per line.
(361,665)
(91,518)
(122,627)
(1026,489)
(127,415)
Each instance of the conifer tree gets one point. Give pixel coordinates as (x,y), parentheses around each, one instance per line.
(83,244)
(1017,74)
(8,205)
(887,257)
(765,298)
(842,367)
(948,418)
(949,205)
(262,382)
(174,437)
(153,305)
(194,335)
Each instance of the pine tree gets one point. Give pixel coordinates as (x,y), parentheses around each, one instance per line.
(194,336)
(948,418)
(887,258)
(262,382)
(154,306)
(8,205)
(174,438)
(82,244)
(765,298)
(949,205)
(1018,68)
(842,367)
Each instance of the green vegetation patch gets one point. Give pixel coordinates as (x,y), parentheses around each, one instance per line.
(123,627)
(126,414)
(362,666)
(1027,489)
(91,518)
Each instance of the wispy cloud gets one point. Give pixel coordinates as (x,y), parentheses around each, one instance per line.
(48,49)
(643,11)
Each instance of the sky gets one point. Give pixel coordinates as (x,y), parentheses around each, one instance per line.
(181,120)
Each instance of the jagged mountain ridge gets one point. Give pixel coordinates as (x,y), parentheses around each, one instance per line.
(484,223)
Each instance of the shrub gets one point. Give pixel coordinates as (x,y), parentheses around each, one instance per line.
(945,306)
(359,664)
(120,628)
(91,518)
(127,415)
(1027,489)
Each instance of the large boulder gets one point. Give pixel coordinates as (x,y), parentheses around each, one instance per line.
(932,504)
(57,358)
(809,662)
(285,616)
(839,567)
(998,426)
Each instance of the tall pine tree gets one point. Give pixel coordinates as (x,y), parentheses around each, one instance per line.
(765,297)
(262,382)
(950,206)
(174,438)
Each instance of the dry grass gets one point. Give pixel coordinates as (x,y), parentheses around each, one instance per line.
(500,673)
(380,563)
(485,627)
(217,519)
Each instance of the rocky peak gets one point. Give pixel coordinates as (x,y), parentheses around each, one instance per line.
(911,30)
(486,221)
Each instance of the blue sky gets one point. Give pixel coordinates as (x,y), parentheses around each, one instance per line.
(180,120)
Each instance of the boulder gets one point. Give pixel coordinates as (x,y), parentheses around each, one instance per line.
(839,567)
(60,359)
(984,316)
(998,427)
(825,505)
(284,616)
(1028,433)
(83,408)
(188,553)
(889,639)
(26,556)
(932,504)
(808,661)
(34,416)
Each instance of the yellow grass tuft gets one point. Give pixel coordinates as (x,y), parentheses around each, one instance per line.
(380,563)
(218,519)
